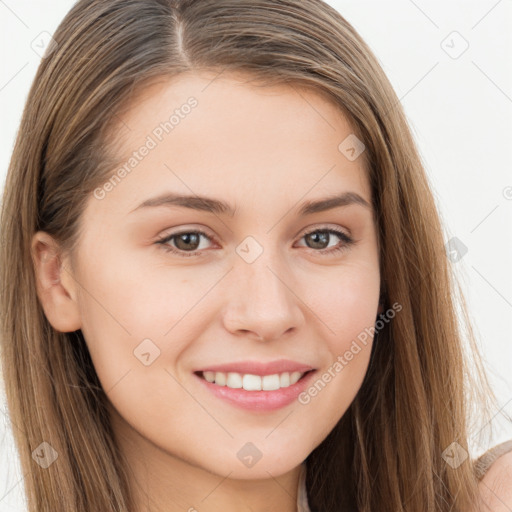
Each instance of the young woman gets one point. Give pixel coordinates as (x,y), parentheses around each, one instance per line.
(224,279)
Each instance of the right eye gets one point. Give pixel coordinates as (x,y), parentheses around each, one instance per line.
(181,240)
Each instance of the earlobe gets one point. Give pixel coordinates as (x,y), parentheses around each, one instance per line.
(56,287)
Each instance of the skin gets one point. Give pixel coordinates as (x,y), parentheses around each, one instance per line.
(496,486)
(265,151)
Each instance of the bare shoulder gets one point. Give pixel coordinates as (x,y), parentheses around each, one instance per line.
(496,486)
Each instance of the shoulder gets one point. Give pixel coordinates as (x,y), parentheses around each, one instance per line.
(495,487)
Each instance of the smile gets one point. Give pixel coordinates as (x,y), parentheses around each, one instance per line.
(250,392)
(251,382)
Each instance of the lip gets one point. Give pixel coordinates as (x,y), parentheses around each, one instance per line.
(258,400)
(259,368)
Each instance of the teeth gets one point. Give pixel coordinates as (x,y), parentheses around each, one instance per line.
(253,382)
(250,382)
(294,377)
(270,382)
(234,380)
(209,376)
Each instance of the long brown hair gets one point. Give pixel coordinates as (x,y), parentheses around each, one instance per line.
(385,453)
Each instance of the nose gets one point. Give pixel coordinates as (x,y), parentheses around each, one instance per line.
(264,302)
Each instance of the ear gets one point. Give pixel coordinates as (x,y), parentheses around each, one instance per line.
(56,286)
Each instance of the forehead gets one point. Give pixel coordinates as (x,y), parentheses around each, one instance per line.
(203,133)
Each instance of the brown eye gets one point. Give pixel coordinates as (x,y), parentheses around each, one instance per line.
(185,243)
(320,238)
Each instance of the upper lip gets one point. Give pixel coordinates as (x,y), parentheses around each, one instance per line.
(259,368)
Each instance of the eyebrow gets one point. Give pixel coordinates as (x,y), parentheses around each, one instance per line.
(217,206)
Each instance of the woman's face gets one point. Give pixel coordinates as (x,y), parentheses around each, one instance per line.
(254,281)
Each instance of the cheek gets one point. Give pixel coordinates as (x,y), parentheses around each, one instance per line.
(123,305)
(137,310)
(136,325)
(137,296)
(346,302)
(347,307)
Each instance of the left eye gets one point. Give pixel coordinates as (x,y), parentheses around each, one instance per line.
(184,240)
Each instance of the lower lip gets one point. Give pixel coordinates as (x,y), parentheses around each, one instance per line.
(259,400)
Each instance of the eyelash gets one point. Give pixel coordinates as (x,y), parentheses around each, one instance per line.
(348,241)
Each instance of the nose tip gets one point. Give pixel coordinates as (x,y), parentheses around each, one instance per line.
(267,336)
(267,308)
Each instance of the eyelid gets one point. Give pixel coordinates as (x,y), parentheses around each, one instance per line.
(188,229)
(324,226)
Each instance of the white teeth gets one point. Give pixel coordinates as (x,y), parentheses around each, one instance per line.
(270,382)
(253,382)
(209,376)
(284,380)
(234,380)
(294,377)
(221,378)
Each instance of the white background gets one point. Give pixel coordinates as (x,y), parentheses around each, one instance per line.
(460,111)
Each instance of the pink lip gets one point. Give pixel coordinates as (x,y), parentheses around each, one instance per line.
(259,400)
(256,368)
